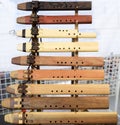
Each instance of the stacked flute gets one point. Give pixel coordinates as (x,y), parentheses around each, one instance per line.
(82,96)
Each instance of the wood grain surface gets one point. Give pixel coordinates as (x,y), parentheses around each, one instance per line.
(80,19)
(63,117)
(55,33)
(59,74)
(60,47)
(83,102)
(81,5)
(61,89)
(59,61)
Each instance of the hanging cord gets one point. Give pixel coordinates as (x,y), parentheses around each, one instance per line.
(22,88)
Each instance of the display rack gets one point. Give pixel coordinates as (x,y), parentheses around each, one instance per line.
(83,96)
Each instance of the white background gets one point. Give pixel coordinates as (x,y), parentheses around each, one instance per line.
(106,23)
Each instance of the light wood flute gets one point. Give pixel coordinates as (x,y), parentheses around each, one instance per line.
(62,118)
(59,61)
(60,89)
(83,102)
(55,33)
(58,74)
(60,47)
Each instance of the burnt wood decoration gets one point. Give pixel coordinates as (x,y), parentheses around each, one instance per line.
(80,19)
(60,89)
(29,6)
(83,102)
(62,118)
(58,61)
(58,74)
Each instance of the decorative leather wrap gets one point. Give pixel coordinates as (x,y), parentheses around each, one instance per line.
(80,19)
(28,6)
